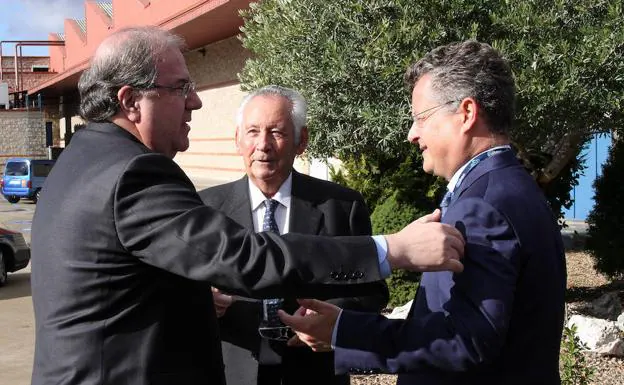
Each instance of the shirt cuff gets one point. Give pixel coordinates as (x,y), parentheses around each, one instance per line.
(382,253)
(335,331)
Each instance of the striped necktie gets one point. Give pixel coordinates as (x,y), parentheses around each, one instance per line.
(446,200)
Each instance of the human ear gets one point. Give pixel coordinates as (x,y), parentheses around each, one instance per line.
(236,140)
(129,103)
(303,140)
(469,110)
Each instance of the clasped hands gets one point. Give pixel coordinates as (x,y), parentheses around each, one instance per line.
(422,244)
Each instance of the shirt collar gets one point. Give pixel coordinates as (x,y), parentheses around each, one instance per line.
(453,182)
(283,195)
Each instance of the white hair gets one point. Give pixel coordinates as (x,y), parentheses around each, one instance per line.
(298,110)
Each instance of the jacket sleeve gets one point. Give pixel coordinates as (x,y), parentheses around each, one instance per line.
(360,224)
(459,321)
(161,221)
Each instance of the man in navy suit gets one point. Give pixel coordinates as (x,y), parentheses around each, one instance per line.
(500,321)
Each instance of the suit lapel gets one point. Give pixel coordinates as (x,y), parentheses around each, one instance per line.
(504,159)
(305,218)
(238,206)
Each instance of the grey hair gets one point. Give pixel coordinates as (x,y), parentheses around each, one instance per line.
(127,57)
(470,69)
(298,110)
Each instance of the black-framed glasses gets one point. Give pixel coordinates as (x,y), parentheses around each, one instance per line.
(420,117)
(185,89)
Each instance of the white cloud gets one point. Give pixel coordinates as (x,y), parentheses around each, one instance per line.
(41,17)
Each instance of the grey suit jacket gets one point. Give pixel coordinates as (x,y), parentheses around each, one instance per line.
(317,207)
(123,256)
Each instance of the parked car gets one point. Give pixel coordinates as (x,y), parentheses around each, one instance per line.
(24,177)
(14,253)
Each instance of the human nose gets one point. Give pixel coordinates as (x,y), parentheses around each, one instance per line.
(193,102)
(263,142)
(412,135)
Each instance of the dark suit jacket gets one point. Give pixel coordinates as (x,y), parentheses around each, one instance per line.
(498,322)
(317,207)
(123,256)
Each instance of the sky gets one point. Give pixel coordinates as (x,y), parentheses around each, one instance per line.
(34,20)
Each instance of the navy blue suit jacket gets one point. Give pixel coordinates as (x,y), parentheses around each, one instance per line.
(498,322)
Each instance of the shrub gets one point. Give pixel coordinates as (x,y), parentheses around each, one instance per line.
(390,216)
(604,241)
(573,366)
(397,192)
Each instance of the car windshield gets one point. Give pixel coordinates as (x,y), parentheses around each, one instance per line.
(16,169)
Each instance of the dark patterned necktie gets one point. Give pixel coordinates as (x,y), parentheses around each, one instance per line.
(446,200)
(270,327)
(269,223)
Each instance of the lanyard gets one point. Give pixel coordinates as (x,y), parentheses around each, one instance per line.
(475,161)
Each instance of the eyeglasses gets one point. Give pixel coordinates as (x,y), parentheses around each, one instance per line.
(278,333)
(271,327)
(186,88)
(420,117)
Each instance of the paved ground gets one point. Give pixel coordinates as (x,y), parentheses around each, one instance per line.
(17,335)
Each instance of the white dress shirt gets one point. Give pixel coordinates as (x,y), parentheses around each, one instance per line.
(282,211)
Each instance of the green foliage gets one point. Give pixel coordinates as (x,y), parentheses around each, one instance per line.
(402,286)
(378,176)
(389,216)
(397,193)
(573,366)
(605,241)
(348,57)
(392,215)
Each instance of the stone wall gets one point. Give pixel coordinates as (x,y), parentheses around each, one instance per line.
(22,134)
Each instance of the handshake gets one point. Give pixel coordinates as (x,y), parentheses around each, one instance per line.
(423,245)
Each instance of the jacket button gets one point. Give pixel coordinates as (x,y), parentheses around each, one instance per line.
(333,275)
(343,276)
(359,274)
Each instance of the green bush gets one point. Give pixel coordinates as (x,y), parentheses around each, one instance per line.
(605,242)
(397,192)
(402,286)
(573,366)
(390,216)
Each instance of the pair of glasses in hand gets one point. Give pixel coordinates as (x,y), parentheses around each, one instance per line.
(271,327)
(277,333)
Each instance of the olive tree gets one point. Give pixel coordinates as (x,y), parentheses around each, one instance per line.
(347,57)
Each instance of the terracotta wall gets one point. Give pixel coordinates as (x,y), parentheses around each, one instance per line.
(80,45)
